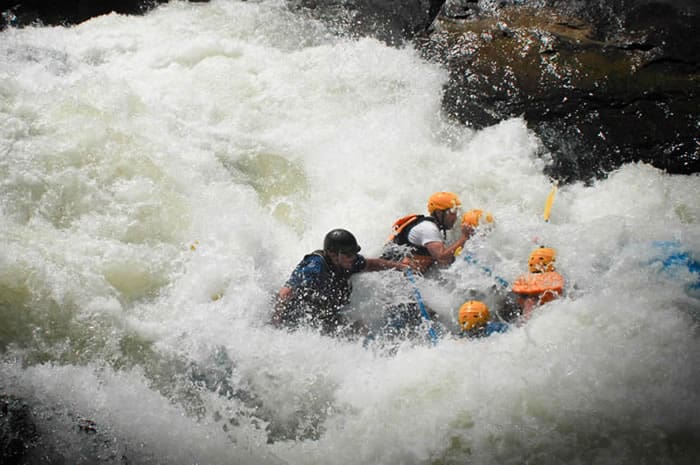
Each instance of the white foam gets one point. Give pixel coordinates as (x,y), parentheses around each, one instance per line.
(161,176)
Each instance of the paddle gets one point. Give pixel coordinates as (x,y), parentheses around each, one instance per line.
(549,202)
(421,306)
(547,208)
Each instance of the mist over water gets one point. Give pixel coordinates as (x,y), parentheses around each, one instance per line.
(160,176)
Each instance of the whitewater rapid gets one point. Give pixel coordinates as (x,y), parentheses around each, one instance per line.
(160,176)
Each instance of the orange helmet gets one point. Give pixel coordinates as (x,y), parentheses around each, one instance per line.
(476,217)
(443,201)
(473,314)
(542,260)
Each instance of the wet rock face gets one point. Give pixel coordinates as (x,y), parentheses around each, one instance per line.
(601,85)
(48,12)
(391,21)
(17,430)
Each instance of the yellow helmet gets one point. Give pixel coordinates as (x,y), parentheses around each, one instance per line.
(542,260)
(473,314)
(476,217)
(443,201)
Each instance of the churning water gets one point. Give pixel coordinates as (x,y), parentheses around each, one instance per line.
(160,176)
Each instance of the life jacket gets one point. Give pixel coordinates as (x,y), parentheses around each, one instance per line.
(544,286)
(320,301)
(417,257)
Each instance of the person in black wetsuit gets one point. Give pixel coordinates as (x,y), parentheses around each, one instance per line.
(319,287)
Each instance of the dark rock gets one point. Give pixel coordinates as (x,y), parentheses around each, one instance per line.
(17,430)
(34,433)
(66,12)
(608,86)
(391,21)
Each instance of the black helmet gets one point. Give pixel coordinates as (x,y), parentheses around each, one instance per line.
(341,240)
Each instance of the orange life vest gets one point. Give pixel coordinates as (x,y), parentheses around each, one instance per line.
(546,286)
(419,259)
(400,224)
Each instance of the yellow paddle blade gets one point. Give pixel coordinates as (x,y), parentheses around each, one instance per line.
(549,202)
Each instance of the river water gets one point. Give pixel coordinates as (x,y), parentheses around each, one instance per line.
(160,176)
